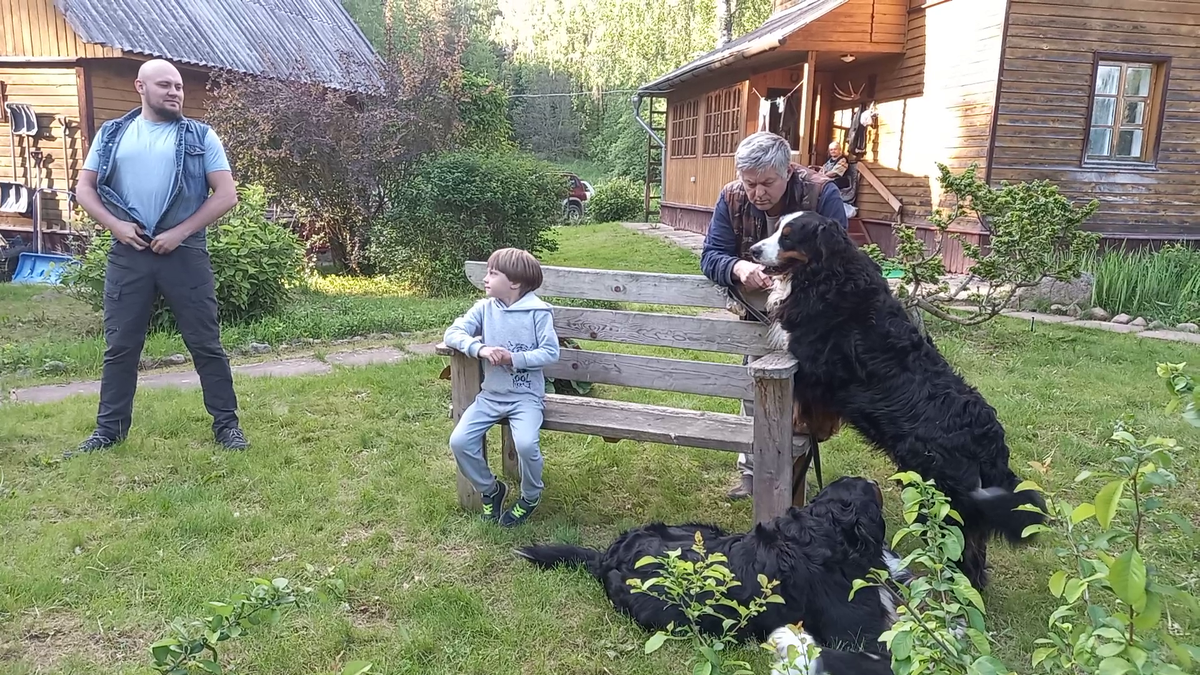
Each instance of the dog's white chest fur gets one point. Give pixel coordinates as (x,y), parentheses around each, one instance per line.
(779,337)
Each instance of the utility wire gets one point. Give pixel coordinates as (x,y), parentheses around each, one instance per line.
(575,93)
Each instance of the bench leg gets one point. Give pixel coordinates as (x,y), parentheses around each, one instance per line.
(512,465)
(466,380)
(772,448)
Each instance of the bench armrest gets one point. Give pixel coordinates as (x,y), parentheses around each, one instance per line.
(774,366)
(442,350)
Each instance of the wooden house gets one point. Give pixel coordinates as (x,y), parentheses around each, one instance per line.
(1102,97)
(72,63)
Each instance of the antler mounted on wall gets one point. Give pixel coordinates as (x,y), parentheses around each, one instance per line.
(852,95)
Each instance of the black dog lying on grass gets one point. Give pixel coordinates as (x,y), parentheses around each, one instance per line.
(815,552)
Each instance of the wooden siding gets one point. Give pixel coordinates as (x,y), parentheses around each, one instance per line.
(34,29)
(698,180)
(934,105)
(1045,91)
(857,26)
(113,93)
(51,92)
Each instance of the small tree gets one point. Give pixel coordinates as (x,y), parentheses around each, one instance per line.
(326,152)
(1034,234)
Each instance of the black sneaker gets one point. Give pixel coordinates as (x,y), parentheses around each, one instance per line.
(493,503)
(97,441)
(232,438)
(518,514)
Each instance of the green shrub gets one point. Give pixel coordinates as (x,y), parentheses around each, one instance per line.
(1163,284)
(462,206)
(484,115)
(255,262)
(617,200)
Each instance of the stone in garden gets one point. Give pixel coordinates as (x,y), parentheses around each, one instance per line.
(1157,325)
(1073,310)
(175,360)
(54,367)
(1096,314)
(259,348)
(1188,328)
(1122,319)
(1058,309)
(1052,291)
(1140,322)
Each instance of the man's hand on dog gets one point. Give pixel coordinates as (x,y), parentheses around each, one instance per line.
(751,275)
(497,356)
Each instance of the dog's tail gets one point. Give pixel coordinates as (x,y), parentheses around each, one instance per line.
(548,556)
(999,510)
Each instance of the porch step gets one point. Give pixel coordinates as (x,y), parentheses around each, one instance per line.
(858,232)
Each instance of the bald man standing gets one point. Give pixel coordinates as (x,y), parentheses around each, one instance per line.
(147,179)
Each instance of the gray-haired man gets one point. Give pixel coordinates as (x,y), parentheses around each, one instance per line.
(769,185)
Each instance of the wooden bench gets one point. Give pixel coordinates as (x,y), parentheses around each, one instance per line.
(767,435)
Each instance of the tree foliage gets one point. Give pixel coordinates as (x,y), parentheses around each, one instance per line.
(461,206)
(326,152)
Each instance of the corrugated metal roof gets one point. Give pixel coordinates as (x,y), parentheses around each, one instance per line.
(289,39)
(765,38)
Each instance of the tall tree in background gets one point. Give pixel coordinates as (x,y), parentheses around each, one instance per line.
(613,46)
(724,22)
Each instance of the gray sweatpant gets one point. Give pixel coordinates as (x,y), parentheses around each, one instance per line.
(524,421)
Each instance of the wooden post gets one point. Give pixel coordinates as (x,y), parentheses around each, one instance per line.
(512,465)
(466,379)
(772,447)
(807,90)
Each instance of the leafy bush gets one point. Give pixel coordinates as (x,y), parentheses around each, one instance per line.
(617,200)
(1034,233)
(255,262)
(699,585)
(1163,284)
(462,206)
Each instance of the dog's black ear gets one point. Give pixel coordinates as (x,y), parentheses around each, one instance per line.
(832,239)
(860,523)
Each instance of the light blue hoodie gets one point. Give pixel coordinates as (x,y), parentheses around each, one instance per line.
(525,328)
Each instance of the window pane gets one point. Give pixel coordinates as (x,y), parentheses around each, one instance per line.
(1108,78)
(1104,110)
(1134,112)
(1129,143)
(1100,141)
(1137,81)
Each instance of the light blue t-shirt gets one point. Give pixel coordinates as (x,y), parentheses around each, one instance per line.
(143,169)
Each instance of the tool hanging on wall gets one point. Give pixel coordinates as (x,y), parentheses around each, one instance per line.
(15,195)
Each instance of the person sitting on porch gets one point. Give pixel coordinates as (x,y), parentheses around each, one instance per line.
(837,167)
(768,186)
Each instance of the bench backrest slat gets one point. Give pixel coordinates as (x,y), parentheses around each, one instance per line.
(688,290)
(662,330)
(649,372)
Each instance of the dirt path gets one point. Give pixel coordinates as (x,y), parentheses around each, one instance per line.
(187,379)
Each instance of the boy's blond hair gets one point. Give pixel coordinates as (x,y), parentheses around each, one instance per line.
(519,266)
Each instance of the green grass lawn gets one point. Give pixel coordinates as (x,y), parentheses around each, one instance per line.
(46,336)
(351,470)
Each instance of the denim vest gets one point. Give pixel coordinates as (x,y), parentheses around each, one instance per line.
(190,186)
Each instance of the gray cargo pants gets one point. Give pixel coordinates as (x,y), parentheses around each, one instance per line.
(132,282)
